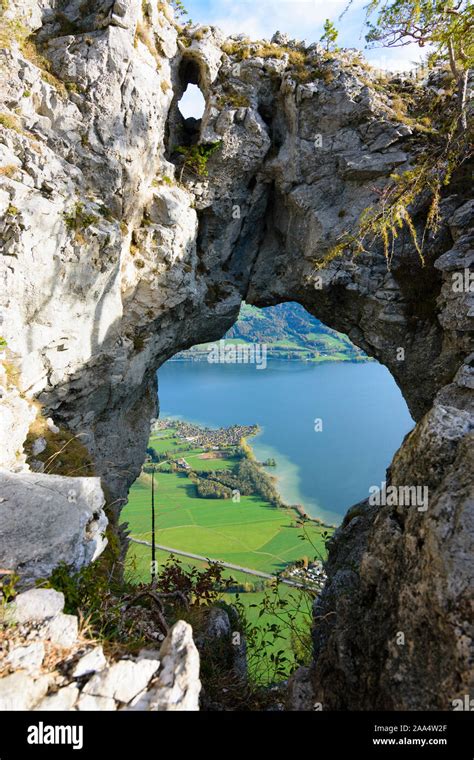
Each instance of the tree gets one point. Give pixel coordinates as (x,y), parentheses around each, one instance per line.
(447,26)
(179,7)
(330,35)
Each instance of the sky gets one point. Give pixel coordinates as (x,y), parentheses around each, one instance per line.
(300,19)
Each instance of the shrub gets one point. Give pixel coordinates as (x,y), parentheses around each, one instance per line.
(196,157)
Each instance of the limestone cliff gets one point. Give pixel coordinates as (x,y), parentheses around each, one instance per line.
(117,253)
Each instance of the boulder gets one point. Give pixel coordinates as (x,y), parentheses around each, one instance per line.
(36,605)
(49,519)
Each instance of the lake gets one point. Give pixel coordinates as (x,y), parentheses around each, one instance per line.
(332,428)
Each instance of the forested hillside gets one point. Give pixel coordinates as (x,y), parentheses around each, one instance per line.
(289,332)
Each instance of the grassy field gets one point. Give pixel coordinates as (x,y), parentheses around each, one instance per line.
(251,533)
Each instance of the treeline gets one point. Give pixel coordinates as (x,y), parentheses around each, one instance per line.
(247,587)
(211,489)
(247,477)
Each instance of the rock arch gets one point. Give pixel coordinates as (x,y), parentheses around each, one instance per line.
(132,267)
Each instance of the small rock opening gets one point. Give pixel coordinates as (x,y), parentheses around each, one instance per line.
(191,108)
(184,124)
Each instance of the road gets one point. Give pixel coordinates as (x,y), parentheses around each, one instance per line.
(228,565)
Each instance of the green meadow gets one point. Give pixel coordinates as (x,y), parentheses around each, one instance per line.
(251,533)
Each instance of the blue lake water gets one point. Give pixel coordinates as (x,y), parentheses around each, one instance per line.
(364,419)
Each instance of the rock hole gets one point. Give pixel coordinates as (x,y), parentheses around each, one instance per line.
(187,108)
(191,108)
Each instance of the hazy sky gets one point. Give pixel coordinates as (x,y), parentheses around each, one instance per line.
(301,19)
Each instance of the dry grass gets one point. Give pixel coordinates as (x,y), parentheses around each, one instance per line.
(55,656)
(12,30)
(237,49)
(301,67)
(64,453)
(32,53)
(234,99)
(10,121)
(144,35)
(9,170)
(200,33)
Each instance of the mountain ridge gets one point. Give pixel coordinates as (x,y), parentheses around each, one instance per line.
(289,332)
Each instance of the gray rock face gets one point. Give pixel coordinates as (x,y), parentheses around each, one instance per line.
(300,693)
(20,692)
(63,699)
(48,519)
(123,680)
(62,630)
(132,266)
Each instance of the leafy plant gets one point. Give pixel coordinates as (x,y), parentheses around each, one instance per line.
(199,587)
(445,25)
(196,157)
(179,7)
(280,639)
(8,583)
(330,35)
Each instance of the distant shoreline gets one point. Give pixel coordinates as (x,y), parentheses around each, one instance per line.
(202,357)
(249,452)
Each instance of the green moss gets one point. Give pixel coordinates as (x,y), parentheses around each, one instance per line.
(78,219)
(234,99)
